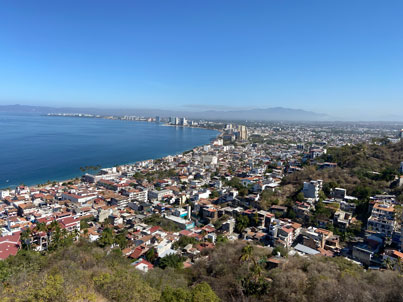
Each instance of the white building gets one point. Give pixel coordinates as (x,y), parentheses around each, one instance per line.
(158,195)
(4,193)
(183,121)
(243,132)
(382,219)
(210,159)
(78,198)
(229,226)
(218,142)
(339,193)
(311,189)
(206,148)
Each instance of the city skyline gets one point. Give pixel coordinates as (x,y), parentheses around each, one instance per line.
(330,58)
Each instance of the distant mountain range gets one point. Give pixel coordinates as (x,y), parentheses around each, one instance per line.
(267,114)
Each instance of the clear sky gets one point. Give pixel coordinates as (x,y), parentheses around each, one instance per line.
(341,57)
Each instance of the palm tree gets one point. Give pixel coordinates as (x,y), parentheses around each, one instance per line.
(256,271)
(26,238)
(41,227)
(388,263)
(246,255)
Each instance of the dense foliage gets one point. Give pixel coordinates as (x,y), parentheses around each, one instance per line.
(85,272)
(362,169)
(164,223)
(239,273)
(231,272)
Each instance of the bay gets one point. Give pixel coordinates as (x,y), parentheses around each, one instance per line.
(35,148)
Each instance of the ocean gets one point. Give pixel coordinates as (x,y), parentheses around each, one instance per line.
(35,149)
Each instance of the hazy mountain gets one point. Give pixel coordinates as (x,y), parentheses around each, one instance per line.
(277,113)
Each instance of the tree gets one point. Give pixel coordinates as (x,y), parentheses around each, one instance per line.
(388,263)
(84,223)
(255,220)
(170,294)
(184,241)
(221,239)
(151,255)
(41,227)
(26,238)
(322,196)
(246,255)
(122,285)
(279,249)
(291,214)
(243,191)
(300,196)
(267,199)
(214,194)
(106,238)
(121,239)
(362,192)
(173,260)
(202,292)
(241,223)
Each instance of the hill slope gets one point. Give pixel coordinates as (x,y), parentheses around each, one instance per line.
(84,272)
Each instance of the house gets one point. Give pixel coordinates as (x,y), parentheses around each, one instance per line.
(9,245)
(69,223)
(366,251)
(182,223)
(275,262)
(302,210)
(138,251)
(326,165)
(210,213)
(392,258)
(339,193)
(342,219)
(93,235)
(285,233)
(305,250)
(316,152)
(143,265)
(279,210)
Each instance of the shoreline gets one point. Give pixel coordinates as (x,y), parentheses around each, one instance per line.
(119,118)
(79,175)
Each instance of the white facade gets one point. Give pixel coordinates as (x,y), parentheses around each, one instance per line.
(4,193)
(311,189)
(382,219)
(210,159)
(158,195)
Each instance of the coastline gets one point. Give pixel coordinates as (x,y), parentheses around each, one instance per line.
(110,167)
(74,176)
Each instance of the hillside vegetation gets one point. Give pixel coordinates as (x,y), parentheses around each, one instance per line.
(235,271)
(362,167)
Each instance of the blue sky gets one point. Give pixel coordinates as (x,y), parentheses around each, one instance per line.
(343,58)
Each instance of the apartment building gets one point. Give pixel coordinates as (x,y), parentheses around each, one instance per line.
(312,188)
(382,219)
